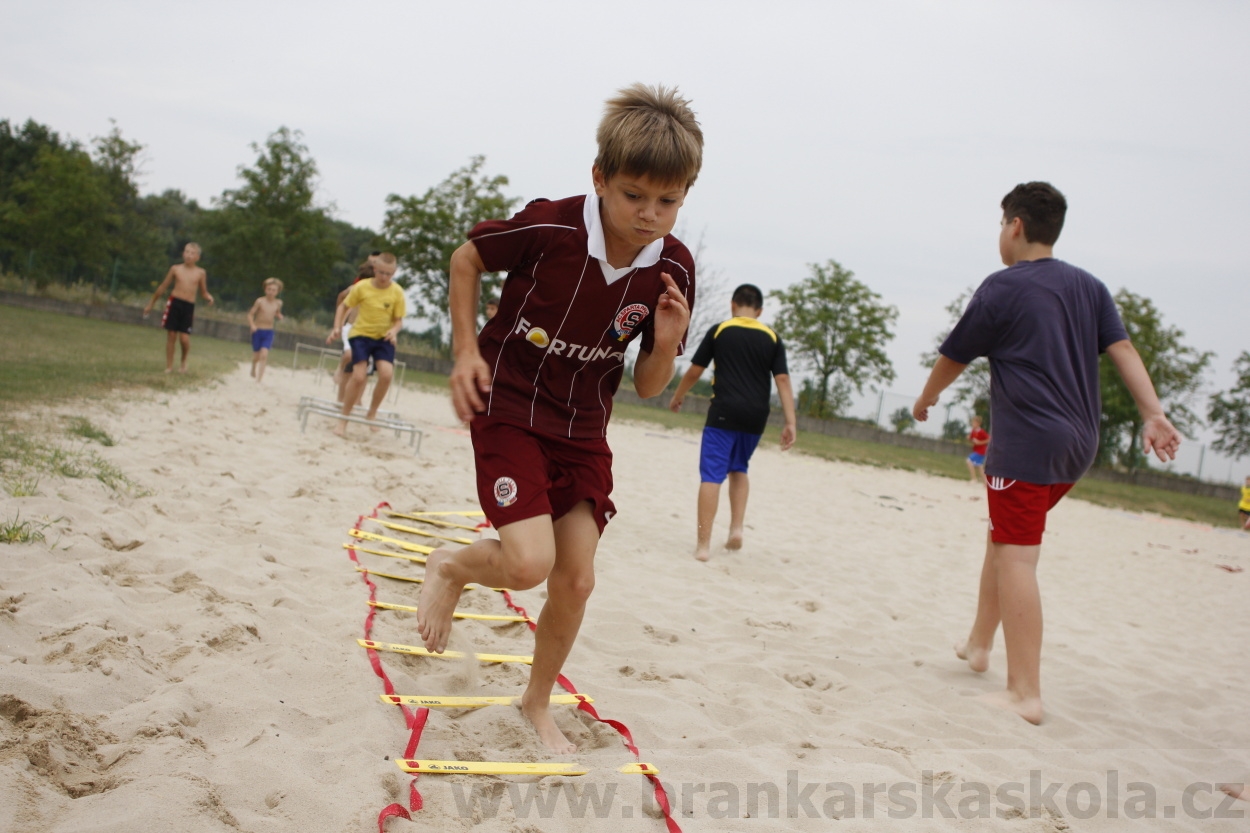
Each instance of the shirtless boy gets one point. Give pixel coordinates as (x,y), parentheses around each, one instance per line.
(586,276)
(261,317)
(184,281)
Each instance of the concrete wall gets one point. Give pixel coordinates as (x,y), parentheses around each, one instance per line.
(231,331)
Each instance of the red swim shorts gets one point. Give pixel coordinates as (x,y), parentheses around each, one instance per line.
(523,474)
(1018,509)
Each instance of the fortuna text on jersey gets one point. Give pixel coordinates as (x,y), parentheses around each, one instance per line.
(538,337)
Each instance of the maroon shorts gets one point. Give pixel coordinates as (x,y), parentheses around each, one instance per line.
(523,474)
(1018,509)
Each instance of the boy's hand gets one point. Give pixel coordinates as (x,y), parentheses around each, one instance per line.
(787,437)
(334,334)
(921,409)
(470,378)
(210,299)
(1161,437)
(674,404)
(672,314)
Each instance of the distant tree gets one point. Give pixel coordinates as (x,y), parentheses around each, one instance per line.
(902,420)
(972,389)
(954,430)
(1229,412)
(62,212)
(425,230)
(134,237)
(271,225)
(838,327)
(1176,369)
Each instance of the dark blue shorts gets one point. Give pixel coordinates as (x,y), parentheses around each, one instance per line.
(725,451)
(262,340)
(365,348)
(976,459)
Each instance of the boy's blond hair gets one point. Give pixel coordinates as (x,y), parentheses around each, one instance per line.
(193,245)
(272,280)
(652,132)
(386,258)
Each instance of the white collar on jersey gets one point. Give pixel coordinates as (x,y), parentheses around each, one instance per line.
(649,256)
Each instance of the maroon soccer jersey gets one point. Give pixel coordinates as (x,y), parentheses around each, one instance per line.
(556,348)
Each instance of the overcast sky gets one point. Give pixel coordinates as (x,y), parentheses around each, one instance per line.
(879,134)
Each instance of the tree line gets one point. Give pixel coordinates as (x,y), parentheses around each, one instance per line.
(73,212)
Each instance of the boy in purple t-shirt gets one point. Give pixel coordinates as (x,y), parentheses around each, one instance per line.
(1042,323)
(586,275)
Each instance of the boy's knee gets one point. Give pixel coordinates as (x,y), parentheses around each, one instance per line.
(528,570)
(575,588)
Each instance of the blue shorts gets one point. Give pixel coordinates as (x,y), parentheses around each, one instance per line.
(365,348)
(262,340)
(725,451)
(976,459)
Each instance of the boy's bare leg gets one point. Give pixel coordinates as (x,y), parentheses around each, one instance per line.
(739,489)
(171,338)
(255,358)
(568,587)
(355,385)
(977,649)
(185,340)
(342,375)
(1021,605)
(709,496)
(519,560)
(385,372)
(972,470)
(261,363)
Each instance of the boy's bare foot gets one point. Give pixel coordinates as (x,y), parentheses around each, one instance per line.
(1030,709)
(340,430)
(978,659)
(253,371)
(538,711)
(702,553)
(1241,791)
(182,369)
(734,542)
(437,603)
(169,370)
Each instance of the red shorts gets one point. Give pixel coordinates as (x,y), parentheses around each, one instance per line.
(523,474)
(1018,509)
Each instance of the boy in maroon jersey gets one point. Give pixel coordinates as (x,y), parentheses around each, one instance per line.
(587,275)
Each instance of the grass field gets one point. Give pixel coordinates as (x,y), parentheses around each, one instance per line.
(52,357)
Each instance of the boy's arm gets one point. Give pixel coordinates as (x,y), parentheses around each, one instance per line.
(392,334)
(1158,434)
(653,370)
(336,329)
(278,314)
(945,371)
(251,315)
(683,387)
(204,287)
(470,377)
(160,290)
(786,394)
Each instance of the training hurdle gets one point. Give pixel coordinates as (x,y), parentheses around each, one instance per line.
(329,355)
(416,708)
(398,426)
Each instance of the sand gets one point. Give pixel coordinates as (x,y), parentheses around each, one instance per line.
(186,659)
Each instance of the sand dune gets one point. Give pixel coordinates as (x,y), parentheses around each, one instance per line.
(187,660)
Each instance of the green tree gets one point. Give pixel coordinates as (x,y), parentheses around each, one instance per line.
(838,326)
(61,211)
(972,389)
(271,226)
(1176,369)
(425,230)
(902,420)
(1229,412)
(135,239)
(954,429)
